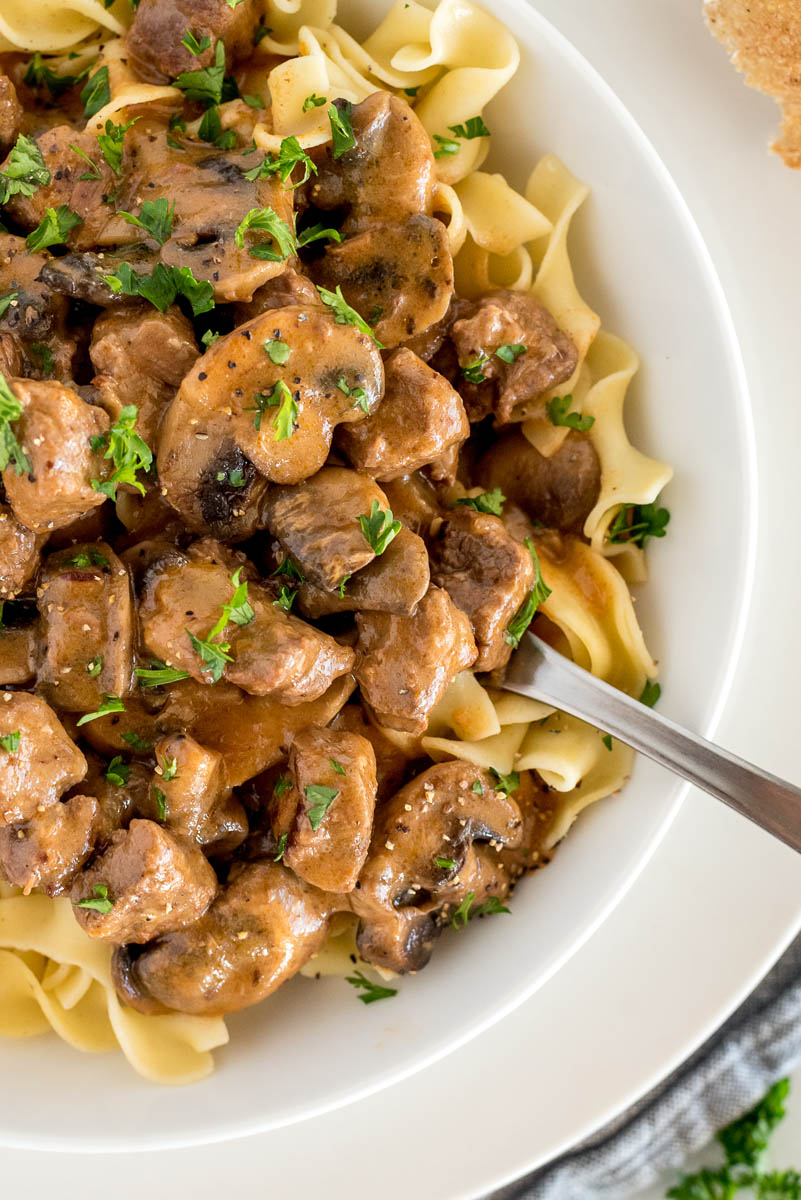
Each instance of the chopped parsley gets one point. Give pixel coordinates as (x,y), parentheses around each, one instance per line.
(290,155)
(505,783)
(370,992)
(193,45)
(488,502)
(319,799)
(262,31)
(558,410)
(159,675)
(282,784)
(7,300)
(210,130)
(446,864)
(100,901)
(45,356)
(344,314)
(278,352)
(445,146)
(161,803)
(94,171)
(461,915)
(25,172)
(607,740)
(96,93)
(205,84)
(129,453)
(337,766)
(538,595)
(54,228)
(509,351)
(136,743)
(650,694)
(342,584)
(379,528)
(313,101)
(285,599)
(474,371)
(288,568)
(163,286)
(358,393)
(111,704)
(268,221)
(210,337)
(253,101)
(111,143)
(233,3)
(155,217)
(215,653)
(639,522)
(235,477)
(341,127)
(10,742)
(169,769)
(282,841)
(86,558)
(282,399)
(118,772)
(489,907)
(10,449)
(412,91)
(478,787)
(316,233)
(94,666)
(38,75)
(474,127)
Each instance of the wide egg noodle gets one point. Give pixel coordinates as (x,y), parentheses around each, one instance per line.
(51,26)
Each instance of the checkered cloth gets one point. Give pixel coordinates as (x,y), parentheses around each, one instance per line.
(759,1044)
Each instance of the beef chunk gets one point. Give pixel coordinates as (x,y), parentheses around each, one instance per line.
(154,42)
(398,276)
(420,417)
(395,582)
(145,355)
(10,114)
(196,797)
(45,763)
(54,431)
(36,317)
(259,932)
(414,502)
(155,880)
(560,491)
(317,522)
(272,653)
(486,573)
(404,664)
(19,646)
(49,850)
(328,812)
(288,288)
(19,554)
(507,318)
(88,622)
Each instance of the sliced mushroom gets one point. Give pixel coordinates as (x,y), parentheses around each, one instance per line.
(154,44)
(559,491)
(423,860)
(44,764)
(261,929)
(236,386)
(398,275)
(81,276)
(54,431)
(327,812)
(87,619)
(420,417)
(394,582)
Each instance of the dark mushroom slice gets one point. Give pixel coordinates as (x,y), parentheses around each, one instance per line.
(82,276)
(419,419)
(44,764)
(153,879)
(405,663)
(35,317)
(559,491)
(487,574)
(271,653)
(19,554)
(280,416)
(197,800)
(512,319)
(87,618)
(397,275)
(54,431)
(423,860)
(154,43)
(539,807)
(327,812)
(394,582)
(11,114)
(317,523)
(48,851)
(264,925)
(145,354)
(19,644)
(388,174)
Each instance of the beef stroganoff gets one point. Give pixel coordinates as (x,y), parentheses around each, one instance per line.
(303,423)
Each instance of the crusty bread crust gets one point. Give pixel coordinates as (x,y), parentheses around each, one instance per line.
(763,38)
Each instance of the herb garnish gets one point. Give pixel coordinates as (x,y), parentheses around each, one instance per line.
(118,772)
(193,45)
(210,130)
(316,233)
(169,769)
(25,172)
(488,502)
(161,803)
(111,704)
(111,143)
(379,528)
(163,286)
(205,84)
(39,75)
(358,393)
(7,300)
(463,913)
(84,559)
(490,906)
(266,219)
(558,410)
(155,216)
(282,399)
(94,666)
(290,155)
(341,127)
(282,841)
(319,798)
(54,228)
(45,356)
(285,599)
(650,694)
(446,864)
(473,371)
(638,522)
(474,127)
(509,351)
(96,93)
(278,352)
(129,453)
(288,568)
(337,766)
(445,146)
(370,991)
(101,902)
(159,675)
(313,101)
(538,595)
(505,783)
(10,742)
(136,743)
(282,784)
(607,740)
(10,449)
(344,314)
(478,787)
(215,653)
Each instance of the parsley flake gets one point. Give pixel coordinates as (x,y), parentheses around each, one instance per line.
(86,558)
(489,907)
(155,217)
(193,45)
(111,704)
(488,502)
(370,992)
(111,143)
(7,300)
(282,784)
(446,864)
(638,522)
(267,220)
(509,351)
(10,742)
(163,286)
(341,127)
(96,93)
(278,352)
(53,229)
(650,694)
(607,740)
(10,449)
(474,127)
(169,769)
(319,798)
(505,783)
(474,371)
(161,803)
(136,743)
(290,155)
(282,841)
(344,314)
(285,599)
(445,146)
(158,675)
(118,772)
(337,766)
(205,84)
(558,410)
(25,171)
(129,453)
(538,595)
(379,528)
(313,101)
(282,399)
(39,75)
(94,666)
(100,901)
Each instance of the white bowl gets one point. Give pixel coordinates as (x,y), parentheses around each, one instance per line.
(640,261)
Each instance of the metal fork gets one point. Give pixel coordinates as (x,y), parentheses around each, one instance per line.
(538,671)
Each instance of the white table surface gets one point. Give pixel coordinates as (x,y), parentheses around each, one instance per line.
(719,898)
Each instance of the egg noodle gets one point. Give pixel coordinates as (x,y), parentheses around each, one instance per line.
(449,64)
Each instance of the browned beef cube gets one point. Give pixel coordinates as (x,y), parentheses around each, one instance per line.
(40,762)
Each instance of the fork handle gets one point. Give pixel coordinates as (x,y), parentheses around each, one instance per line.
(540,672)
